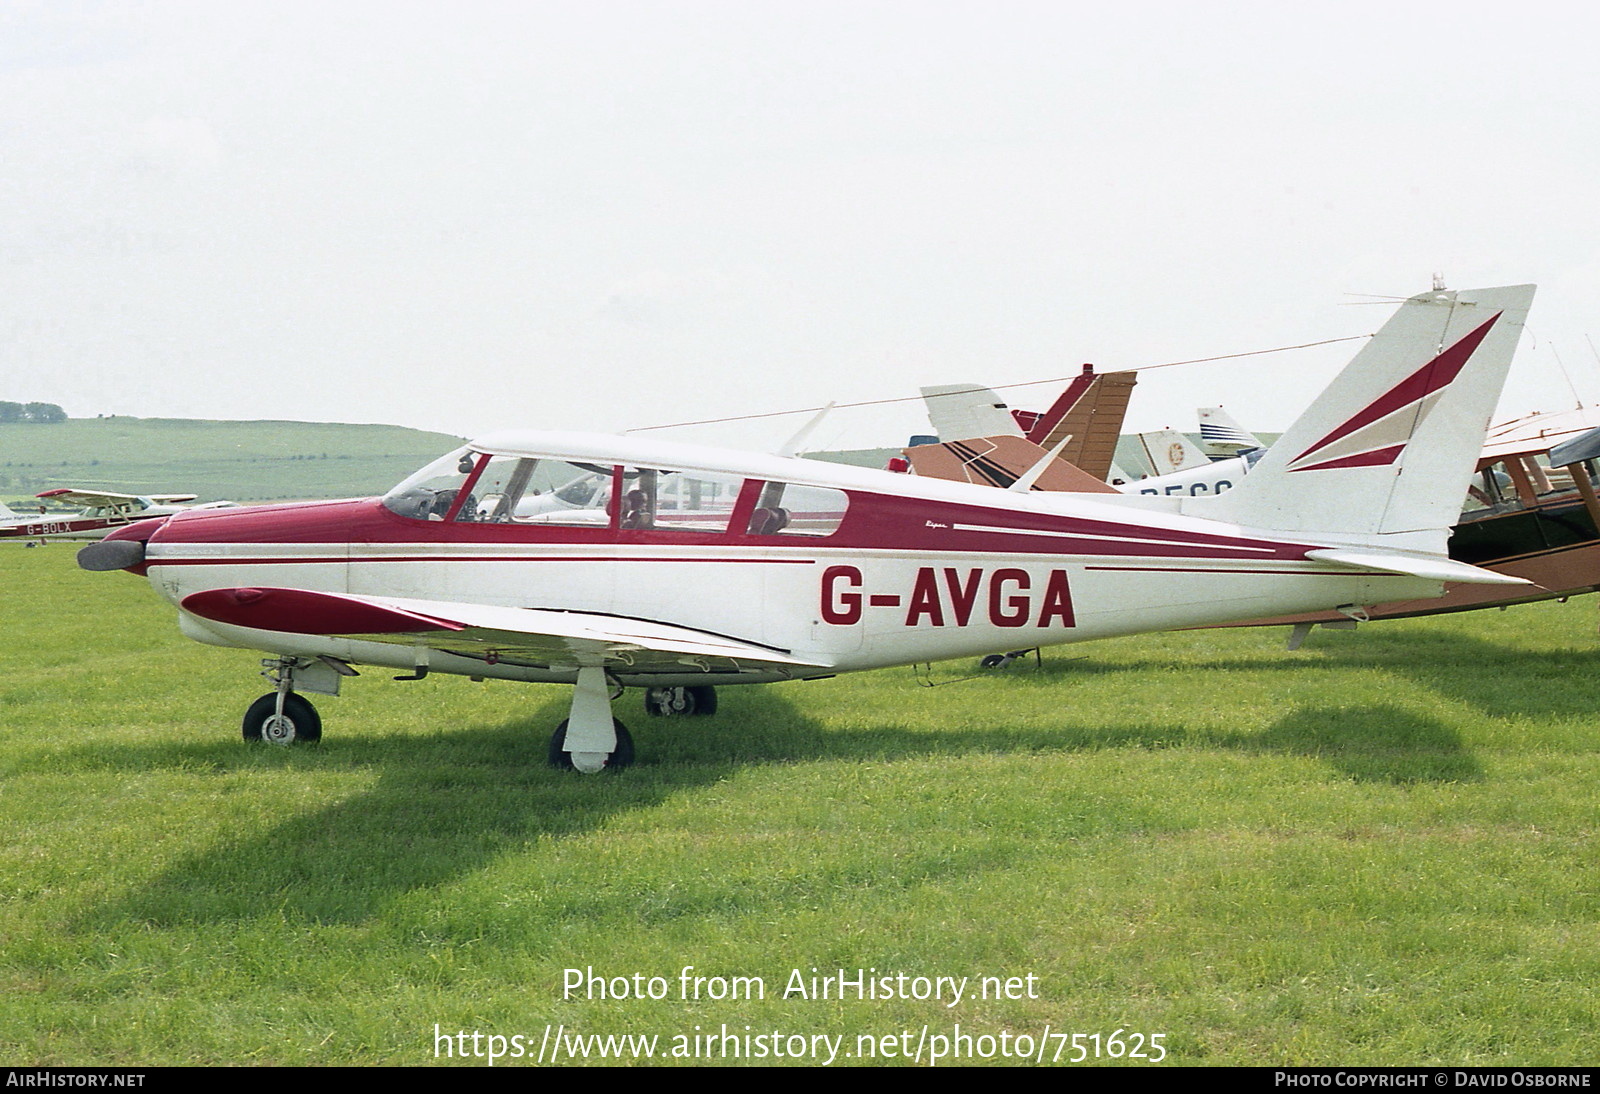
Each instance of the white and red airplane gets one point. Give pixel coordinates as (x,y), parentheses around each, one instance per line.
(610,562)
(102,511)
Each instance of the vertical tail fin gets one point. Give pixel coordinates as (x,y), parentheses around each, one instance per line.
(1090,413)
(959,411)
(1389,447)
(1169,452)
(1221,432)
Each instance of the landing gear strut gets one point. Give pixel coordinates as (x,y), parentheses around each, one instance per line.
(615,760)
(590,740)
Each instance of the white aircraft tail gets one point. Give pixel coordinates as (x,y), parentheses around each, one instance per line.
(1219,430)
(5,512)
(960,411)
(1170,452)
(1389,448)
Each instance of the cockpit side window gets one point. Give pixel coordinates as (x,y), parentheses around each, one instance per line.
(546,492)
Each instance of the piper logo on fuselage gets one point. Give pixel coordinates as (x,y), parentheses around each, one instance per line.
(947,596)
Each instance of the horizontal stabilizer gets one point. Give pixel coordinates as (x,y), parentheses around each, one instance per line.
(1001,461)
(1430,567)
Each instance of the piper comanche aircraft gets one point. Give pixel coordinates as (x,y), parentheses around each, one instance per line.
(609,562)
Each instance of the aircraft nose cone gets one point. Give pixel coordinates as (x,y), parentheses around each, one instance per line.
(111,554)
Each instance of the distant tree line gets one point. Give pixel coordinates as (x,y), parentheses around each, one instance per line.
(40,413)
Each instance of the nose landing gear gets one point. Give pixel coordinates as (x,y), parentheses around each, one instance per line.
(281,716)
(289,722)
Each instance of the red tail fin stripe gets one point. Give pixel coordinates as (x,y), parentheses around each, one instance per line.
(1431,377)
(1376,458)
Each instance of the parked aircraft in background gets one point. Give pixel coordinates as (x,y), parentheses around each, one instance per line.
(1084,422)
(756,568)
(1221,432)
(995,457)
(102,511)
(1167,452)
(1531,513)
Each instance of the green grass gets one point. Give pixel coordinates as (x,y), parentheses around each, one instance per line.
(1379,850)
(238,461)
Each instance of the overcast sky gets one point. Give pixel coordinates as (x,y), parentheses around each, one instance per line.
(606,215)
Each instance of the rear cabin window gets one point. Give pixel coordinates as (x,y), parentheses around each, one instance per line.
(786,509)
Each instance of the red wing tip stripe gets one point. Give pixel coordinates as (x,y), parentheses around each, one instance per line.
(298,611)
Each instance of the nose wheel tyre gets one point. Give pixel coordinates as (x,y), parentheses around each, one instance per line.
(298,722)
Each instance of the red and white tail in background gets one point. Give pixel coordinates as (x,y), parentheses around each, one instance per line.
(1389,448)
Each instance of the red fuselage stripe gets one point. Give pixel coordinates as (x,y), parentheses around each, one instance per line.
(333,561)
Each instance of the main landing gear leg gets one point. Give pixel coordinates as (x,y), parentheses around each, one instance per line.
(590,740)
(671,702)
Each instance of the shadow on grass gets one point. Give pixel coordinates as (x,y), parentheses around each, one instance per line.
(1371,744)
(1501,681)
(447,805)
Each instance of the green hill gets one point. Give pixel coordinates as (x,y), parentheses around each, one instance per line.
(238,461)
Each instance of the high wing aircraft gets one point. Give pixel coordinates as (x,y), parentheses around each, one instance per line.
(102,511)
(610,562)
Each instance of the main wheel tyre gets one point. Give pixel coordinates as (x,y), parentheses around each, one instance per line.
(620,757)
(299,721)
(673,702)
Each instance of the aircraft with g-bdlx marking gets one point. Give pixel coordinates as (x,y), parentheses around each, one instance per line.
(610,562)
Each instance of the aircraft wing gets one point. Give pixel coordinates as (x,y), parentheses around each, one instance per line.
(111,498)
(510,634)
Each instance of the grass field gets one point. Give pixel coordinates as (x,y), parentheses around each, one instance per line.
(1380,850)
